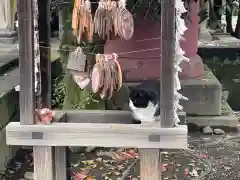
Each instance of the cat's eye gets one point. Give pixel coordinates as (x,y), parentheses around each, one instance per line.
(141,94)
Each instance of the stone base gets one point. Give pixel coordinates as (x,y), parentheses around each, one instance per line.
(8,37)
(204,94)
(227,119)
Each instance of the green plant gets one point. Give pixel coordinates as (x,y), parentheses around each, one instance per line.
(87,101)
(59,93)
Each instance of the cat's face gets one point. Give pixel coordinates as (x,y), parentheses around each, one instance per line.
(140,98)
(142,104)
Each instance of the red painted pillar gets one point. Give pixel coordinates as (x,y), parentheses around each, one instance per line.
(195,67)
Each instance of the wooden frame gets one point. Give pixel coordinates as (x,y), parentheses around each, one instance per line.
(103,133)
(73,127)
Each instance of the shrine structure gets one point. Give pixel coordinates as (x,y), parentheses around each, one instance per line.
(140,65)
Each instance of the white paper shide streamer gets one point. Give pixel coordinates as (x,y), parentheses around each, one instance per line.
(180,29)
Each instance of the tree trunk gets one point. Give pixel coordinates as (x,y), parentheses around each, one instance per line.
(213,16)
(229,10)
(237,30)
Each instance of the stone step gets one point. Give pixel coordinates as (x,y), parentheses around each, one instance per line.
(8,59)
(226,119)
(9,81)
(9,110)
(204,95)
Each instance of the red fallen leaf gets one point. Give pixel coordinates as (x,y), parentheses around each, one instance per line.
(133,153)
(164,165)
(45,115)
(203,156)
(186,172)
(79,176)
(84,171)
(127,155)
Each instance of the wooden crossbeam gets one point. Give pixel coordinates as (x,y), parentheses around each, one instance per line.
(98,134)
(101,116)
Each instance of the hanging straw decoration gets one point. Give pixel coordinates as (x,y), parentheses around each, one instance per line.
(180,29)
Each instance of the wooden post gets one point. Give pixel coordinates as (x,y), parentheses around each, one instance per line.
(58,153)
(42,156)
(26,62)
(150,159)
(167,62)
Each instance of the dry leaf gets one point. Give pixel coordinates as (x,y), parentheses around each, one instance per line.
(203,156)
(79,176)
(186,172)
(120,167)
(117,173)
(88,162)
(99,159)
(193,173)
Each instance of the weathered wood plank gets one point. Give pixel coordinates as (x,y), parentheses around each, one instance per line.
(167,62)
(43,163)
(98,116)
(102,135)
(101,116)
(26,62)
(60,153)
(149,160)
(60,161)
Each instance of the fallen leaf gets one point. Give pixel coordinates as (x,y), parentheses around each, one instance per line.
(99,159)
(126,155)
(116,173)
(79,176)
(203,156)
(193,173)
(164,165)
(93,166)
(186,172)
(120,167)
(133,153)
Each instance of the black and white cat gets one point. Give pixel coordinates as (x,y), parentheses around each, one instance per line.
(144,102)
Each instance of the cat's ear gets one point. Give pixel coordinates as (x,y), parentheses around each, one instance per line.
(153,97)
